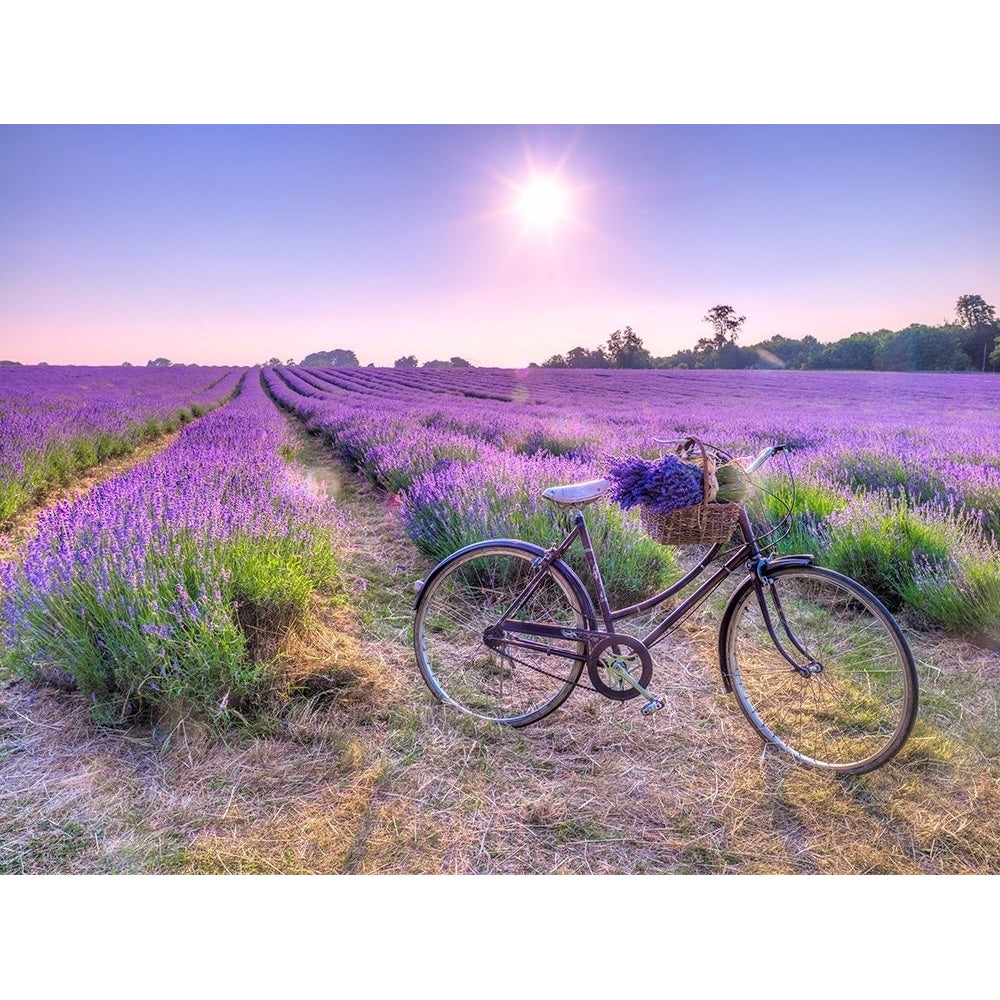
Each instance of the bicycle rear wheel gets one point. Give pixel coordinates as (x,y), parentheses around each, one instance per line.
(471,591)
(839,689)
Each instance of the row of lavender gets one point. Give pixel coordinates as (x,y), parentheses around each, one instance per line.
(170,587)
(897,475)
(56,422)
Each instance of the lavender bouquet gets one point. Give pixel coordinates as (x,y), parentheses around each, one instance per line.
(663,486)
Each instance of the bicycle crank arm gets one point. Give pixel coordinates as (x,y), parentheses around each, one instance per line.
(653,704)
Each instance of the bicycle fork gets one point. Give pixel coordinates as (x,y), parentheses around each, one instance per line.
(765,588)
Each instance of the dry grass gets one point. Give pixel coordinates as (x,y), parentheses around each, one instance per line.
(360,771)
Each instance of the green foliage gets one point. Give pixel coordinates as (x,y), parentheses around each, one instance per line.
(726,327)
(808,504)
(962,597)
(921,348)
(980,331)
(881,543)
(624,349)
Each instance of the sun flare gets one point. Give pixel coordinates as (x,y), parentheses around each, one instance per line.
(542,202)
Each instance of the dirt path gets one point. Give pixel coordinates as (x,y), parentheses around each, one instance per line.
(376,777)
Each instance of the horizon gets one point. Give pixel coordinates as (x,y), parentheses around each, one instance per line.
(233,244)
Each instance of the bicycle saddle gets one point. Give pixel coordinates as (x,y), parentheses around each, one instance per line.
(577,494)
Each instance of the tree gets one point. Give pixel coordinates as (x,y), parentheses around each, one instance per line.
(337,358)
(726,325)
(410,361)
(580,357)
(274,363)
(556,361)
(785,352)
(854,353)
(979,319)
(921,348)
(625,350)
(460,363)
(159,363)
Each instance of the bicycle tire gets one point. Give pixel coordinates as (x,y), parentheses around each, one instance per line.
(853,709)
(468,592)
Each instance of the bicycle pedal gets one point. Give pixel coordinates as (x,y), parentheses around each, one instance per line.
(652,706)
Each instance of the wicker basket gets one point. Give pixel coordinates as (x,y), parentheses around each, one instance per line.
(705,523)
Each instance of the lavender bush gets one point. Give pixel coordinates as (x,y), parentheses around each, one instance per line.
(170,587)
(57,422)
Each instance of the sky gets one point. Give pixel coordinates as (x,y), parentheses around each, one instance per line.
(501,244)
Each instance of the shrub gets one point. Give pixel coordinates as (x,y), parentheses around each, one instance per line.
(881,542)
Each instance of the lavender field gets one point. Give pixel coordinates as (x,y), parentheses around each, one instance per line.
(897,476)
(213,588)
(57,422)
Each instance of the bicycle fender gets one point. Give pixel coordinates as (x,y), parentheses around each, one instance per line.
(804,559)
(586,604)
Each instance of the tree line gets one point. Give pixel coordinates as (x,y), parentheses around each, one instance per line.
(970,343)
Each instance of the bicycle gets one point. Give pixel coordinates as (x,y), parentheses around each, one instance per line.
(503,629)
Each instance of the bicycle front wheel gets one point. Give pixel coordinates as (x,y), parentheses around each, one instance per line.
(820,668)
(516,682)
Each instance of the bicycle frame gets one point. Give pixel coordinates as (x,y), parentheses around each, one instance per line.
(512,632)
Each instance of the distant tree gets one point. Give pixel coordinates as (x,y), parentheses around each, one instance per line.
(921,348)
(159,363)
(580,357)
(410,361)
(460,363)
(10,362)
(726,328)
(274,363)
(980,322)
(556,361)
(785,352)
(290,362)
(854,353)
(437,364)
(126,364)
(337,358)
(624,349)
(733,356)
(682,359)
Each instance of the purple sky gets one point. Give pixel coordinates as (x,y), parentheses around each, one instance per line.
(235,244)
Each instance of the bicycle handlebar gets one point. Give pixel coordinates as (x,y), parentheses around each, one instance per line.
(758,461)
(765,454)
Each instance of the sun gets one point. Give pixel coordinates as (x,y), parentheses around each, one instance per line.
(542,202)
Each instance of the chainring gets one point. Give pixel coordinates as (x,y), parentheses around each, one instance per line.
(632,653)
